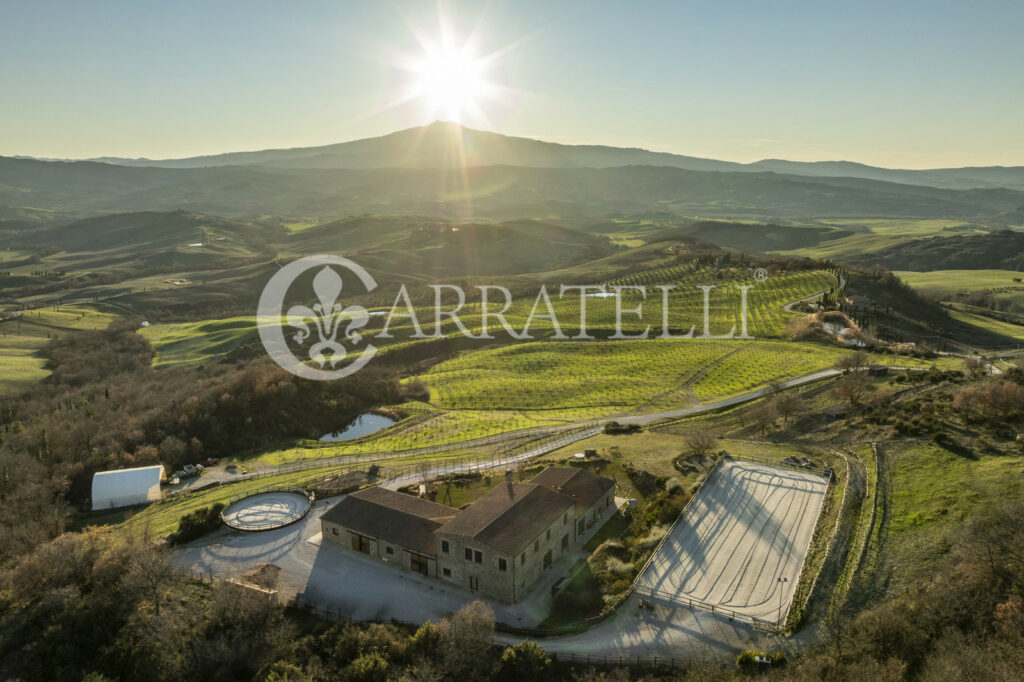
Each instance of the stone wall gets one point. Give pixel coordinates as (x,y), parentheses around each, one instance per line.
(382,550)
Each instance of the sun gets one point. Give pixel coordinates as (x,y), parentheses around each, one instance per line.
(452,76)
(451,81)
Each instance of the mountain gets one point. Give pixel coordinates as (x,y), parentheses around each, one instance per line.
(439,145)
(1010,177)
(492,193)
(450,145)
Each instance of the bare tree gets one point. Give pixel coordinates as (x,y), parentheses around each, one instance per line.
(787,405)
(468,635)
(853,387)
(835,628)
(701,443)
(763,417)
(974,365)
(150,572)
(849,362)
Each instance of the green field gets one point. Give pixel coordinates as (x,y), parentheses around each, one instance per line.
(20,362)
(933,492)
(998,286)
(1013,331)
(874,235)
(190,343)
(22,337)
(908,228)
(945,282)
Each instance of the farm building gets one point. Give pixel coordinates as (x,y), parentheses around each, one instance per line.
(500,545)
(389,526)
(125,487)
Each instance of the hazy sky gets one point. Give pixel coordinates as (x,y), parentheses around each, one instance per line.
(899,84)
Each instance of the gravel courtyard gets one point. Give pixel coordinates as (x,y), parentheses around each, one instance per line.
(742,543)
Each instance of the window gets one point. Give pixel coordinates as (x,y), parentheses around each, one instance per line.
(469,554)
(522,559)
(565,542)
(474,584)
(447,572)
(502,565)
(389,550)
(536,545)
(478,556)
(444,546)
(565,518)
(334,530)
(548,537)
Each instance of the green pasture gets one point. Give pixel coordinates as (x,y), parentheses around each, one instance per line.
(22,337)
(945,282)
(935,490)
(1007,329)
(899,227)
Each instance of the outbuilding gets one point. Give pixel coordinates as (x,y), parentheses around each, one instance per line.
(125,487)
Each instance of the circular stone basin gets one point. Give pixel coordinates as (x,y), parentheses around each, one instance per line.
(267,510)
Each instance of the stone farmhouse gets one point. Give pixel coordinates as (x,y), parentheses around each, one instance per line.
(499,546)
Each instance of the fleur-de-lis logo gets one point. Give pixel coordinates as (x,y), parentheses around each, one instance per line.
(327,316)
(327,324)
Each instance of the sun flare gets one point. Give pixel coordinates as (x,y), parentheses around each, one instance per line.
(451,81)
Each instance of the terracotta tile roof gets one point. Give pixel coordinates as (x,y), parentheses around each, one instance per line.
(510,516)
(584,487)
(394,517)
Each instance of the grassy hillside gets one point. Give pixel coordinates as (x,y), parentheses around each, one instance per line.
(1002,250)
(22,336)
(415,247)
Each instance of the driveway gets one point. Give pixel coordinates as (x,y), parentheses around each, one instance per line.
(341,580)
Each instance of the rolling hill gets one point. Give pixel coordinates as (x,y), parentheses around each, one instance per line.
(492,193)
(421,247)
(1003,250)
(449,145)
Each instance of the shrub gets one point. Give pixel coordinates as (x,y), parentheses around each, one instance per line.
(615,428)
(747,660)
(197,523)
(371,667)
(524,661)
(618,567)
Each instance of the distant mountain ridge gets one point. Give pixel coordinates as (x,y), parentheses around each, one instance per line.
(494,193)
(450,145)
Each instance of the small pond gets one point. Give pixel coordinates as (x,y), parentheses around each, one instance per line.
(364,425)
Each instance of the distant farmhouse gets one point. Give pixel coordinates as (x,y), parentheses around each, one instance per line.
(499,546)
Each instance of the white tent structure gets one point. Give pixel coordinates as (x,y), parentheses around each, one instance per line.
(125,487)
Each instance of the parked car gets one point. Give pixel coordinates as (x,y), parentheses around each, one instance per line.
(189,470)
(210,462)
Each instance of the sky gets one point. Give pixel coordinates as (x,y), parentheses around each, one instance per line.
(896,84)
